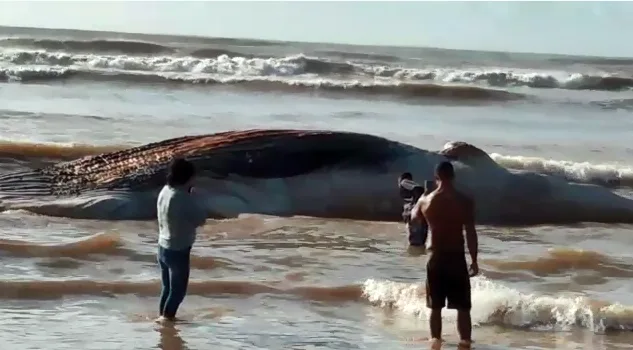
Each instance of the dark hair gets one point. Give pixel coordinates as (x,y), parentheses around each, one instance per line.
(180,172)
(405,176)
(445,171)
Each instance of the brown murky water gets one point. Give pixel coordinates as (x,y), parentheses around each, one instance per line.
(266,282)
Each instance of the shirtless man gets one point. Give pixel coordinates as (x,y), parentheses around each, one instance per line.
(448,213)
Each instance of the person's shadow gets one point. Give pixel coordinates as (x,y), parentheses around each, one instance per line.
(170,338)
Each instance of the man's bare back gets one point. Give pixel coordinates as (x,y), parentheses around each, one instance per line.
(446,212)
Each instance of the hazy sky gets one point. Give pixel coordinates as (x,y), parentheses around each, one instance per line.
(591,28)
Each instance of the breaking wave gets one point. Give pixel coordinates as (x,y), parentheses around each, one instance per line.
(493,303)
(609,174)
(354,88)
(496,304)
(218,65)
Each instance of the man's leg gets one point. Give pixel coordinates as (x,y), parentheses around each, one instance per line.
(179,282)
(165,282)
(435,323)
(464,325)
(435,299)
(459,298)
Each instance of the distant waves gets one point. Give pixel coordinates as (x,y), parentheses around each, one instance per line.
(259,66)
(226,63)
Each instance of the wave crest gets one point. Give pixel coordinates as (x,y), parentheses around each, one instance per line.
(54,289)
(559,261)
(495,304)
(100,45)
(227,63)
(102,243)
(356,88)
(609,175)
(108,243)
(53,151)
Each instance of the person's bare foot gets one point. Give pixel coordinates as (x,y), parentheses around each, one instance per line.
(436,343)
(464,344)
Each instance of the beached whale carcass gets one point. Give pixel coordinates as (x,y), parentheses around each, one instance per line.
(300,172)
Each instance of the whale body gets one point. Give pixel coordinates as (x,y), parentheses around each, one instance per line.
(317,173)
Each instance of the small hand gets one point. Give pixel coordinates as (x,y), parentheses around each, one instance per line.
(474,269)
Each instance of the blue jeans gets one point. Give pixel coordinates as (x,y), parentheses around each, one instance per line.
(174,267)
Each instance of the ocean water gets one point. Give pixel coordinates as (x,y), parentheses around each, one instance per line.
(308,283)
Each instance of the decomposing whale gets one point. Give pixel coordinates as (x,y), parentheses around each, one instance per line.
(328,174)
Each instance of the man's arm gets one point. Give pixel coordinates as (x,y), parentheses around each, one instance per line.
(198,213)
(192,209)
(471,232)
(416,212)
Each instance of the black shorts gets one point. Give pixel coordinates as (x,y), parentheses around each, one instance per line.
(447,279)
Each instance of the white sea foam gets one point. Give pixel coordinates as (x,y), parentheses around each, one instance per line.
(494,303)
(610,174)
(302,65)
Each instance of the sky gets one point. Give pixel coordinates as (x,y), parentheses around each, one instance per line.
(582,28)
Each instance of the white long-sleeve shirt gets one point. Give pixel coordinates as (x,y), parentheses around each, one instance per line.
(179,215)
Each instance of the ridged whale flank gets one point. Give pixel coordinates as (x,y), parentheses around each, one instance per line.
(300,172)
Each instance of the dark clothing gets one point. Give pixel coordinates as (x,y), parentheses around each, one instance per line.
(406,212)
(417,233)
(174,266)
(410,192)
(447,279)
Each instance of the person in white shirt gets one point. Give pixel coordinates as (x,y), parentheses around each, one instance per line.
(179,215)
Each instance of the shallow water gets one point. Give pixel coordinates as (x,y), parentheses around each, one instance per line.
(265,282)
(307,283)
